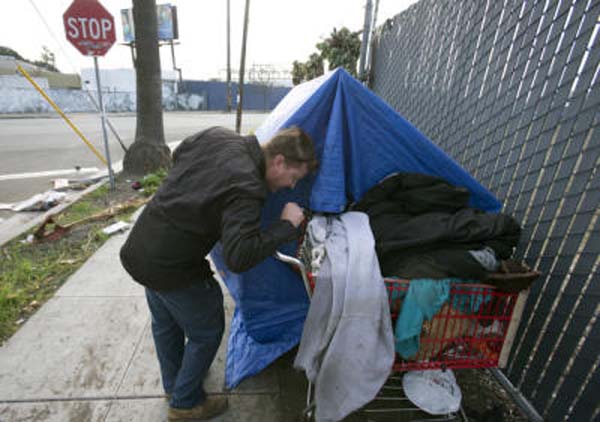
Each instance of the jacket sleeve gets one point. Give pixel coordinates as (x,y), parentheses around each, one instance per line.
(245,244)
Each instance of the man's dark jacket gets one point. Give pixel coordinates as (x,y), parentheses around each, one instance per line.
(214,191)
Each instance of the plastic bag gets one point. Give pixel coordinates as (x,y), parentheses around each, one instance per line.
(434,391)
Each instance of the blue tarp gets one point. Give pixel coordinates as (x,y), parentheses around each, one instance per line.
(359,140)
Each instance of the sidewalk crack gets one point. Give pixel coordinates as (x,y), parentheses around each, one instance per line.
(135,349)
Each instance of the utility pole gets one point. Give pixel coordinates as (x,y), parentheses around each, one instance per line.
(374,20)
(238,122)
(369,55)
(228,57)
(365,39)
(175,68)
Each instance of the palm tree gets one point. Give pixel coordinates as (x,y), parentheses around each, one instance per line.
(149,151)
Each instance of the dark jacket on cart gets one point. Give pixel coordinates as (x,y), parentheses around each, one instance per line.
(424,227)
(215,191)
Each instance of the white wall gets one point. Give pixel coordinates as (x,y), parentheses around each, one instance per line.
(18,96)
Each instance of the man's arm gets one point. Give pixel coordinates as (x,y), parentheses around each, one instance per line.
(244,243)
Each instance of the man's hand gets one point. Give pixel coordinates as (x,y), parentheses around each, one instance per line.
(292,213)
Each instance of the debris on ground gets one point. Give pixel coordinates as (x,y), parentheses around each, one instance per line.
(119,226)
(50,230)
(60,184)
(39,202)
(29,239)
(483,397)
(69,261)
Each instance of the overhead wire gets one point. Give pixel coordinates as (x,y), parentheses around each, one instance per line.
(60,44)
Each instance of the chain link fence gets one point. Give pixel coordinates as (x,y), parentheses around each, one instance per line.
(511,90)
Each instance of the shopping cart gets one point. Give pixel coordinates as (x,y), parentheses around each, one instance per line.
(474,329)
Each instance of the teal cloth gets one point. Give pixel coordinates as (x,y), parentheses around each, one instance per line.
(423,300)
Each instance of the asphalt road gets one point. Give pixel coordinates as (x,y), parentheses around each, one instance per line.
(30,145)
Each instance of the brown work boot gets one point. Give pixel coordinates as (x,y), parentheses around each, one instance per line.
(213,406)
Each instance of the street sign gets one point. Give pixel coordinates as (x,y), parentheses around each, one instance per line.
(89,27)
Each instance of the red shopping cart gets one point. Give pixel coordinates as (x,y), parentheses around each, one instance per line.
(474,329)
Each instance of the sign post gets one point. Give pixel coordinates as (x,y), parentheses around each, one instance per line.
(111,176)
(91,30)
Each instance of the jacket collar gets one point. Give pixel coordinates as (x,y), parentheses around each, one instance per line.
(256,152)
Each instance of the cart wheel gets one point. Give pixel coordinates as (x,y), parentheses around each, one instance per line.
(302,417)
(308,415)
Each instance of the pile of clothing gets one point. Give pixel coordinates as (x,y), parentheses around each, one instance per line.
(424,228)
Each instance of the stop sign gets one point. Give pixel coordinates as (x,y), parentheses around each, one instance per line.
(89,27)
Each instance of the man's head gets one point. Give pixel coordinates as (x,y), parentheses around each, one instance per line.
(290,155)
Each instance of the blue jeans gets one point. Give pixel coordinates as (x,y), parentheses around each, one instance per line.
(196,313)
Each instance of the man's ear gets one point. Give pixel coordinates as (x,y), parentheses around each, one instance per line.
(279,160)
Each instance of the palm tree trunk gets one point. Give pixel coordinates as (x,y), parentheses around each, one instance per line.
(149,152)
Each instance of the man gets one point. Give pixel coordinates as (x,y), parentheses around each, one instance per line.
(214,191)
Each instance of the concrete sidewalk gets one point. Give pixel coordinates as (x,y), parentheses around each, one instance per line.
(87,355)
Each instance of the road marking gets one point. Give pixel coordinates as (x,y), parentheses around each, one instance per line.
(18,176)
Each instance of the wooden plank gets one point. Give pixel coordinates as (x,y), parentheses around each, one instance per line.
(512,328)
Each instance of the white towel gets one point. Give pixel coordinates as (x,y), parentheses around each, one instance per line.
(347,346)
(317,234)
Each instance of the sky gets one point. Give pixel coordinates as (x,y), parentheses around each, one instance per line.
(279,32)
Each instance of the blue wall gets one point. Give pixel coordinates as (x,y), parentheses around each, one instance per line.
(256,97)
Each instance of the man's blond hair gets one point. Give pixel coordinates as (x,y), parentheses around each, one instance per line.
(295,145)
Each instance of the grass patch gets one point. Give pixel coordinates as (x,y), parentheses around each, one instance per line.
(151,182)
(101,192)
(30,273)
(78,211)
